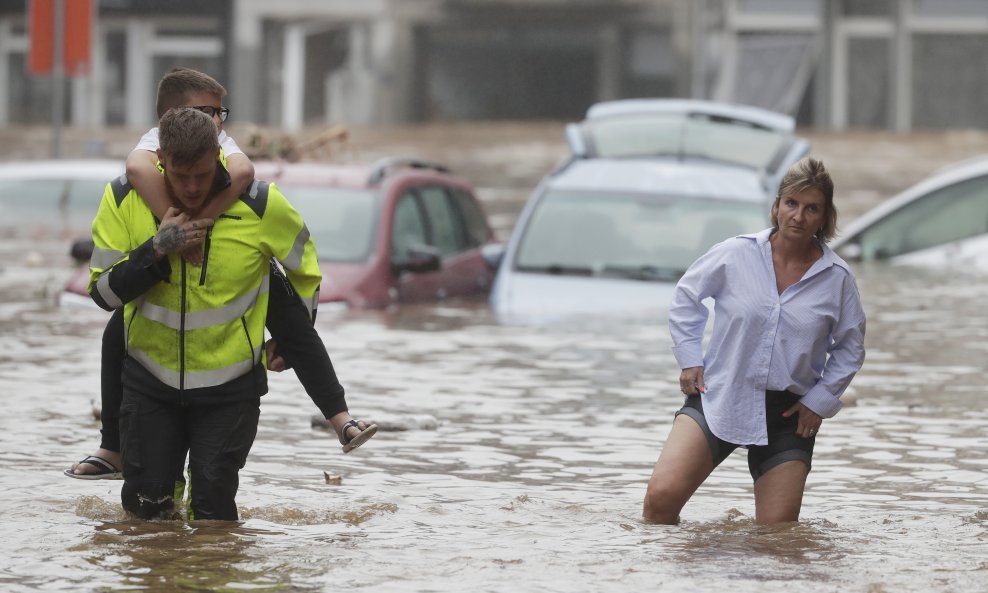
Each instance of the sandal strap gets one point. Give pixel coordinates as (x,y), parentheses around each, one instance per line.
(99,462)
(346,425)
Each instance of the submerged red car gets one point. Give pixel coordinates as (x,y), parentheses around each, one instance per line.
(395,231)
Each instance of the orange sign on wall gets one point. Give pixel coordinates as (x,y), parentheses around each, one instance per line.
(78,25)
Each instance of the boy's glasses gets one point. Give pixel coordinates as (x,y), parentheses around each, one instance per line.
(212,111)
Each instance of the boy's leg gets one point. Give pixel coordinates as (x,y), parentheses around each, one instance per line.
(301,347)
(220,437)
(111,394)
(111,386)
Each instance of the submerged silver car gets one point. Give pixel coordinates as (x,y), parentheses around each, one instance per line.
(942,220)
(649,187)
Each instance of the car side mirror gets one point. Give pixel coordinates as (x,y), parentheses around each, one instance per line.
(82,250)
(419,259)
(493,253)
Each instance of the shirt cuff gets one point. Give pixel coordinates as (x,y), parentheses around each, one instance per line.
(688,355)
(822,402)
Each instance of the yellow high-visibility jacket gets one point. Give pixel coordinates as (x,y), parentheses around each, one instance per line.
(199,327)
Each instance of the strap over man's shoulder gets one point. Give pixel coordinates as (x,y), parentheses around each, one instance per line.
(120,187)
(256,196)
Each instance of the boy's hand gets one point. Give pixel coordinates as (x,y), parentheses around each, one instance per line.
(177,232)
(193,255)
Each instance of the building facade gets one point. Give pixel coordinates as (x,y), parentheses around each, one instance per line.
(834,64)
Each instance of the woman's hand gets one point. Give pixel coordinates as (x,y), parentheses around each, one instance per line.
(809,421)
(691,381)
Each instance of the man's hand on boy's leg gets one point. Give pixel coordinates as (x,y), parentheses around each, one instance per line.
(275,362)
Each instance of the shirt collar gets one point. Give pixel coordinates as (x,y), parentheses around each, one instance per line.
(828,259)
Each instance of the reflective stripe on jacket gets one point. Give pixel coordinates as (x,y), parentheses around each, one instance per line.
(199,327)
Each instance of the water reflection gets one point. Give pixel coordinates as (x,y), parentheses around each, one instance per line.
(177,556)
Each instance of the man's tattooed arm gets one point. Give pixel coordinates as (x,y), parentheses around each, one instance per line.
(177,232)
(169,239)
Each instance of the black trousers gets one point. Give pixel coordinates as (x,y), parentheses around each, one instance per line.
(111,386)
(155,437)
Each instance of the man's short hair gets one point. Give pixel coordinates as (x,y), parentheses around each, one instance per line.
(177,84)
(186,134)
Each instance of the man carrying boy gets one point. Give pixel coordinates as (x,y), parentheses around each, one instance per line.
(193,375)
(288,320)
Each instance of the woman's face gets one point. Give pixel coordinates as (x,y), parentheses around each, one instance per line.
(802,214)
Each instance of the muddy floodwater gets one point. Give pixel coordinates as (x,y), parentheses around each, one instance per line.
(516,457)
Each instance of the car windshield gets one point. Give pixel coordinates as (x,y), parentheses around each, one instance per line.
(342,221)
(49,207)
(626,235)
(685,135)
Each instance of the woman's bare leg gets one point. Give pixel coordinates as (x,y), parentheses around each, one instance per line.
(685,462)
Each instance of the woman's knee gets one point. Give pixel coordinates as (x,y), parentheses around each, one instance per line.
(662,503)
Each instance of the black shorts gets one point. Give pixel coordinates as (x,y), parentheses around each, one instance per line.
(783,442)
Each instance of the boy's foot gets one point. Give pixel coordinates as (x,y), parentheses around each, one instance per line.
(356,433)
(102,465)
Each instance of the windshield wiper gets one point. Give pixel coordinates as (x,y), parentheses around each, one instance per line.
(646,272)
(559,270)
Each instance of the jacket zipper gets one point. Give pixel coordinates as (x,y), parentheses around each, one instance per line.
(181,337)
(250,343)
(205,255)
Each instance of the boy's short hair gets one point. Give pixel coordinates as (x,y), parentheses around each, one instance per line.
(178,83)
(186,134)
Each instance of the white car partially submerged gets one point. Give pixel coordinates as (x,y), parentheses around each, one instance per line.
(53,198)
(940,221)
(650,186)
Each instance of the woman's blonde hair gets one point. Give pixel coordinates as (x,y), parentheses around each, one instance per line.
(809,173)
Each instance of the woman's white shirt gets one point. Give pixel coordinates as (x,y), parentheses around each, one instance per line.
(809,340)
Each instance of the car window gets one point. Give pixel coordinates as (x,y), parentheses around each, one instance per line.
(601,233)
(36,203)
(409,227)
(695,135)
(85,196)
(476,231)
(949,214)
(33,195)
(342,222)
(444,228)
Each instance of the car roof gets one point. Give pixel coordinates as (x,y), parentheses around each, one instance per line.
(62,169)
(756,115)
(365,175)
(335,175)
(944,177)
(662,176)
